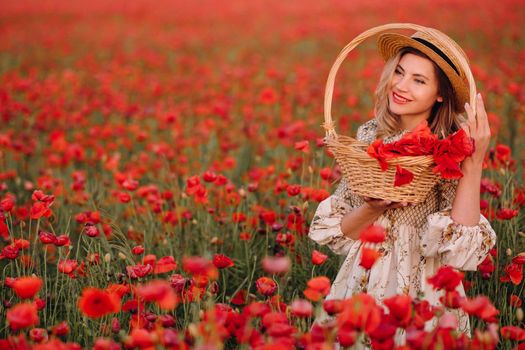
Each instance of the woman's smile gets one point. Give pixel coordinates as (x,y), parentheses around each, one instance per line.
(400,100)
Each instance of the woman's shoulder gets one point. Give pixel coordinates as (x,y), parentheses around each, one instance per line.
(367,131)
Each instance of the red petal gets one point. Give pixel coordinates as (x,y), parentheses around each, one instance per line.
(402,177)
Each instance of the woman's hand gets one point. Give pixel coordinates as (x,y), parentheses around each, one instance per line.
(381,205)
(477,127)
(356,220)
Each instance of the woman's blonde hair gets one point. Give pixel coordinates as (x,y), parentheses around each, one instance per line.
(445,117)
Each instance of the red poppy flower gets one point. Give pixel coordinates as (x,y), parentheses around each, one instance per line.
(480,307)
(333,306)
(67,266)
(38,335)
(318,258)
(513,333)
(62,240)
(506,213)
(160,292)
(118,289)
(373,234)
(316,288)
(91,231)
(47,237)
(519,259)
(320,195)
(360,312)
(7,203)
(27,287)
(377,151)
(446,278)
(325,173)
(487,267)
(302,308)
(451,299)
(139,271)
(461,146)
(240,297)
(503,153)
(293,190)
(238,217)
(400,307)
(140,338)
(38,195)
(448,169)
(115,325)
(149,259)
(61,329)
(96,303)
(221,261)
(266,286)
(164,264)
(197,265)
(346,337)
(515,272)
(368,257)
(22,316)
(402,176)
(137,250)
(303,146)
(209,176)
(268,96)
(515,301)
(10,251)
(39,210)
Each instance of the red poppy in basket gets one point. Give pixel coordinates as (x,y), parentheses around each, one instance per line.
(448,153)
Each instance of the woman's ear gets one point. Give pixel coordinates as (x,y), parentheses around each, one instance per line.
(439,99)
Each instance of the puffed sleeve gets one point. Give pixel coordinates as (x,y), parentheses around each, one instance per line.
(462,247)
(325,228)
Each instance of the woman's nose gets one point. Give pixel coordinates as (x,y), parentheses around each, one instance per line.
(401,84)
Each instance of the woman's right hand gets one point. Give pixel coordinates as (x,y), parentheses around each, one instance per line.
(381,205)
(356,220)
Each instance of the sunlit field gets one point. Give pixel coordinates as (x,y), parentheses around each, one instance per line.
(161,161)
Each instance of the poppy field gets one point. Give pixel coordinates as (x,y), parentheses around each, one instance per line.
(160,163)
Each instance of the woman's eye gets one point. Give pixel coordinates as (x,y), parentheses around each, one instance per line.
(397,71)
(419,81)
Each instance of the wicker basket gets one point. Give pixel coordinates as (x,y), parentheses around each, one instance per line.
(362,172)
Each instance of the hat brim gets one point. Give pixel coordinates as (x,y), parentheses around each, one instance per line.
(389,44)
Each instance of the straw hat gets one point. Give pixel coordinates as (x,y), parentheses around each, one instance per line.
(390,44)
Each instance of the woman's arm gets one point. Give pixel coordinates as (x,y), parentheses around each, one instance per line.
(357,220)
(465,208)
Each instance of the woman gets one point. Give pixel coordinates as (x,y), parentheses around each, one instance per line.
(419,82)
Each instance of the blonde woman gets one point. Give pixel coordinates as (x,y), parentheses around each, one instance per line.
(419,82)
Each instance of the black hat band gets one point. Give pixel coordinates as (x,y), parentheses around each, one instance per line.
(438,51)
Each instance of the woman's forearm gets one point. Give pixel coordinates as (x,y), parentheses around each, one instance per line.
(355,221)
(465,208)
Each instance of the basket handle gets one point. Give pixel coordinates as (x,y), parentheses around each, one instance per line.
(328,124)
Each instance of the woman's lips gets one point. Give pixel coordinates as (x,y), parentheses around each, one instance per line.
(400,100)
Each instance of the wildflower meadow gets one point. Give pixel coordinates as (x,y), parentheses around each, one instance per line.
(160,163)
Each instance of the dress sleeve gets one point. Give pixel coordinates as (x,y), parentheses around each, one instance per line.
(462,247)
(325,228)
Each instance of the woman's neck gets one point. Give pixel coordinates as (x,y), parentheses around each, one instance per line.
(410,122)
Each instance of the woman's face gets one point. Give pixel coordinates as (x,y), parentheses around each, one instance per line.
(413,89)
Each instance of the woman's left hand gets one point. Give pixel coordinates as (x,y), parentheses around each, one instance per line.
(477,127)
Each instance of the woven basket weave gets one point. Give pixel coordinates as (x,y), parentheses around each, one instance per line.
(362,172)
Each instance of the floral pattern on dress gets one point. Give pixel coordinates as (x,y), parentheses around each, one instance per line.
(420,239)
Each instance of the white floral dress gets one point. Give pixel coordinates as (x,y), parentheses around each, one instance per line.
(420,239)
